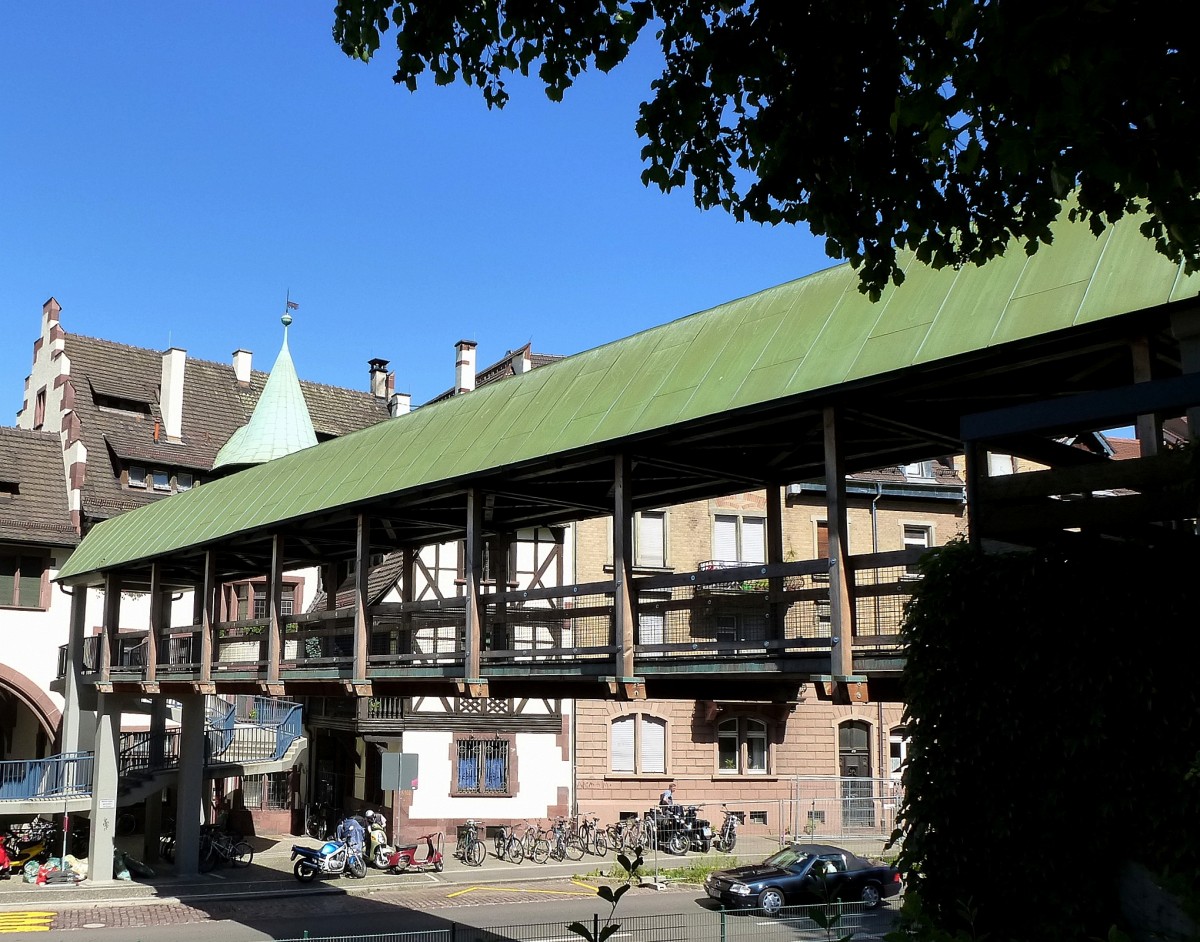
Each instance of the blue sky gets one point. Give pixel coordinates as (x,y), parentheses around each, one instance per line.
(170,171)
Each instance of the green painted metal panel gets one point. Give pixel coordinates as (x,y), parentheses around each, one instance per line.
(792,339)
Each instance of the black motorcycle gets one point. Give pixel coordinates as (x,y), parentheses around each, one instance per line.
(726,838)
(678,829)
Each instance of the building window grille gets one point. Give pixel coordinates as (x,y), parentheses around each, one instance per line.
(482,767)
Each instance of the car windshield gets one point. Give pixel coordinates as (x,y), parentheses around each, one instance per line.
(786,858)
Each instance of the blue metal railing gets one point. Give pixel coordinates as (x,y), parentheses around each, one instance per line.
(62,776)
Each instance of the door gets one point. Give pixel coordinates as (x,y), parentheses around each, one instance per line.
(854,767)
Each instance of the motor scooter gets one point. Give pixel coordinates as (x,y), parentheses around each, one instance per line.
(333,858)
(405,856)
(379,851)
(29,842)
(726,838)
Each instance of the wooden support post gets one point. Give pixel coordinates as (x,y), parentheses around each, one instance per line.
(624,605)
(208,615)
(408,593)
(329,579)
(841,602)
(111,625)
(1148,427)
(1185,325)
(158,609)
(473,601)
(503,545)
(362,616)
(976,457)
(778,610)
(275,605)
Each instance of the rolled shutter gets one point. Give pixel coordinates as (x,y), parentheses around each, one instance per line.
(754,540)
(622,743)
(654,745)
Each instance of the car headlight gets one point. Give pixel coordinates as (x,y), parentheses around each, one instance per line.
(740,889)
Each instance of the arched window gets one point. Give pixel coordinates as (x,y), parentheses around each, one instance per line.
(638,744)
(742,746)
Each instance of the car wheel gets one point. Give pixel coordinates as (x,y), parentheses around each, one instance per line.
(870,896)
(770,901)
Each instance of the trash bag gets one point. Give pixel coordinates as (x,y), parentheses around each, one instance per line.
(29,873)
(137,868)
(120,867)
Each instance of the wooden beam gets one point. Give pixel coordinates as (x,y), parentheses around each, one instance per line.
(775,499)
(159,599)
(207,603)
(362,625)
(841,608)
(623,601)
(110,624)
(473,575)
(275,603)
(1148,427)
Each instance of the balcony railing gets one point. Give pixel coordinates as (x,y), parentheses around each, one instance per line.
(726,610)
(62,776)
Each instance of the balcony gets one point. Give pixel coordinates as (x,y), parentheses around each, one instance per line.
(767,617)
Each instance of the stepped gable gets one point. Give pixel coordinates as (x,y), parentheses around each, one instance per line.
(33,491)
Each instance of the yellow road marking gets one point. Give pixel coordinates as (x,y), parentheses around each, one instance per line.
(26,922)
(509,889)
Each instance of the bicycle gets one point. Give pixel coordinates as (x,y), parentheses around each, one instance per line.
(561,845)
(594,838)
(469,848)
(508,845)
(317,818)
(220,847)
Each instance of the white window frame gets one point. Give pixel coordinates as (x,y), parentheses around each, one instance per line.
(137,476)
(743,729)
(741,556)
(184,481)
(157,475)
(648,517)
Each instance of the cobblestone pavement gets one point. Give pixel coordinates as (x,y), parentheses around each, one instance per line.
(152,912)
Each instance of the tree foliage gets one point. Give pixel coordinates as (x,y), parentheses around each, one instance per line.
(1051,736)
(949,127)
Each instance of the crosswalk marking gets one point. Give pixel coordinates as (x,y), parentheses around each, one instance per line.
(26,921)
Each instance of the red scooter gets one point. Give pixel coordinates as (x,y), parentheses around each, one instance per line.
(405,857)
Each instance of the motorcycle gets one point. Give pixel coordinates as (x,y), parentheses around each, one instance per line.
(679,829)
(726,839)
(30,842)
(379,851)
(405,856)
(333,859)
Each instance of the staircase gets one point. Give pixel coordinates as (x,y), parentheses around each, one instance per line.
(244,735)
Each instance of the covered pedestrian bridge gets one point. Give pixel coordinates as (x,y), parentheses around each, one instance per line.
(803,382)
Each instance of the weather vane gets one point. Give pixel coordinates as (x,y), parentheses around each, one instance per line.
(289,306)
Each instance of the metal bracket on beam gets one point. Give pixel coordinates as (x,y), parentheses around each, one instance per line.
(626,688)
(474,687)
(151,688)
(104,688)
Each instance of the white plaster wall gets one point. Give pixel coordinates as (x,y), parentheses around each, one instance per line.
(541,771)
(29,639)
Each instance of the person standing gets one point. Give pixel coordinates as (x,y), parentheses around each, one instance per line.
(668,795)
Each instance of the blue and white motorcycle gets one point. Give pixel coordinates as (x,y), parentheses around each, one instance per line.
(333,859)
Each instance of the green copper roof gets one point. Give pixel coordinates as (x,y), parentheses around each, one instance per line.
(798,338)
(280,423)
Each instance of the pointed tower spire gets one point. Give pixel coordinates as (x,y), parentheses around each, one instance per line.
(280,423)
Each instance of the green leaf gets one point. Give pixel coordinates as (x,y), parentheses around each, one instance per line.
(584,932)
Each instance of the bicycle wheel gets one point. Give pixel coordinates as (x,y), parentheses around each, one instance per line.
(208,853)
(528,840)
(600,844)
(242,855)
(314,824)
(541,851)
(574,848)
(126,823)
(514,851)
(476,853)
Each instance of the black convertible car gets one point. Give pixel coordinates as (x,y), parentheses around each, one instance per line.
(804,873)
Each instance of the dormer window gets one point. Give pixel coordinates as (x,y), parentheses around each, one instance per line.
(183,481)
(137,476)
(919,471)
(162,481)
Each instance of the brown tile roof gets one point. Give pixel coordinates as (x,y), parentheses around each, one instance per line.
(215,405)
(33,489)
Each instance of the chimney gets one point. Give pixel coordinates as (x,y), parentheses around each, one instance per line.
(464,367)
(241,366)
(379,378)
(400,404)
(170,392)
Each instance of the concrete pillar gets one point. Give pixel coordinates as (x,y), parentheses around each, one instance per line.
(190,790)
(105,785)
(78,724)
(158,732)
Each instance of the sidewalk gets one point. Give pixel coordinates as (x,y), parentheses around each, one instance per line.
(270,875)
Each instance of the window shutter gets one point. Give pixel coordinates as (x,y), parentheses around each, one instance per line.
(654,745)
(725,538)
(622,743)
(651,539)
(754,540)
(30,588)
